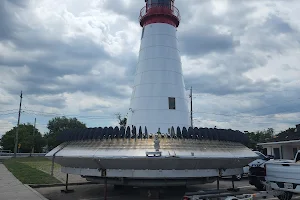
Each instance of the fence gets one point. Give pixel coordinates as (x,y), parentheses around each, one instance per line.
(22,154)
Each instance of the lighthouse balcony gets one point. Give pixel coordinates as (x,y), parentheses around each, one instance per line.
(159,13)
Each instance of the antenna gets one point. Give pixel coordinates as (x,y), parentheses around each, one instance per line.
(191,96)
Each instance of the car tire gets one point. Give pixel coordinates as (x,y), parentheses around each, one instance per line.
(260,186)
(285,196)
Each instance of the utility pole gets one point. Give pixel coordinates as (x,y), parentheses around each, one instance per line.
(17,131)
(33,136)
(191,96)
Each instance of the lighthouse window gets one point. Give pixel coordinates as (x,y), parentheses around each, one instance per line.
(160,2)
(172,103)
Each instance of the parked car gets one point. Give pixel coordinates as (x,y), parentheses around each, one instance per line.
(256,171)
(282,180)
(256,163)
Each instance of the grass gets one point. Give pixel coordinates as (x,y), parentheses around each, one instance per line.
(28,170)
(40,163)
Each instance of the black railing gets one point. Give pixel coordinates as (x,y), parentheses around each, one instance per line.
(159,8)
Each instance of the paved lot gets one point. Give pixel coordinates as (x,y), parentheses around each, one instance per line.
(11,188)
(96,192)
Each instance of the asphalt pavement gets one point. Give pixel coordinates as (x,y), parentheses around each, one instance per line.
(12,189)
(96,192)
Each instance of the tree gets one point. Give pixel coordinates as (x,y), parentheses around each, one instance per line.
(25,137)
(288,134)
(57,125)
(259,137)
(122,120)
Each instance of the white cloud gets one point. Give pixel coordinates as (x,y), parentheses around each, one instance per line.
(78,59)
(7,124)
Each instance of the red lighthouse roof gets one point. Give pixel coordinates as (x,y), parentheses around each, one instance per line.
(159,11)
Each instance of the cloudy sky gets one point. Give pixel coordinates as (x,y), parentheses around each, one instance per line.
(77,58)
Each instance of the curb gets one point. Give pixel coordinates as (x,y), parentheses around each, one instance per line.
(60,184)
(35,192)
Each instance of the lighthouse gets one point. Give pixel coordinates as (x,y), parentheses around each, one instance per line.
(158,100)
(125,156)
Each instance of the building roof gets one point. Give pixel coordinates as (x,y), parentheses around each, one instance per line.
(287,135)
(291,135)
(282,142)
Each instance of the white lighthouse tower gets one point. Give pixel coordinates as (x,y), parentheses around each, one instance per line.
(158,99)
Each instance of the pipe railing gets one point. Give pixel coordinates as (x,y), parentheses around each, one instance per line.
(159,8)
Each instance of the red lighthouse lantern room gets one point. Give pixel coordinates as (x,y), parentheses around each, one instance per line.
(159,11)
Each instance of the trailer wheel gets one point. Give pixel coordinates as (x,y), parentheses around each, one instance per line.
(260,186)
(286,196)
(238,177)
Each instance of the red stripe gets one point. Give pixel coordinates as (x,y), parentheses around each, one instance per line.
(160,14)
(159,19)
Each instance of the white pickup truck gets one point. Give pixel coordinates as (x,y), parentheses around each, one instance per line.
(284,175)
(282,180)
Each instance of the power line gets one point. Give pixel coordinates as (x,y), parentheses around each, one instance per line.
(79,117)
(237,114)
(110,117)
(255,92)
(271,105)
(8,110)
(239,97)
(258,122)
(56,114)
(8,113)
(242,116)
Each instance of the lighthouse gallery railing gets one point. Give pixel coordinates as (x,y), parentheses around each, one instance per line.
(159,8)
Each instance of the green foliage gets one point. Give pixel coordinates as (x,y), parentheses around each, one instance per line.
(259,137)
(57,125)
(289,130)
(25,138)
(289,134)
(122,120)
(27,174)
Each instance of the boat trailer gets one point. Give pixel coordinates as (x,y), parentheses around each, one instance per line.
(232,194)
